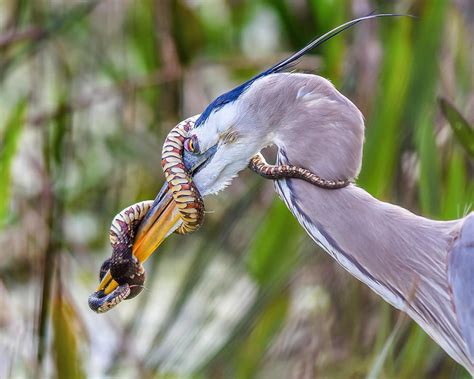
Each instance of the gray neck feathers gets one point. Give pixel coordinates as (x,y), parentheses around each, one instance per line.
(393,244)
(401,256)
(317,126)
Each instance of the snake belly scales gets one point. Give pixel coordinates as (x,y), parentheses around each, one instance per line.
(124,267)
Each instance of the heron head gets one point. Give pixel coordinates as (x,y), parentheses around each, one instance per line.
(224,138)
(224,146)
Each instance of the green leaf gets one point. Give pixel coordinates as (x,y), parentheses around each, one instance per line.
(455,198)
(295,31)
(430,177)
(382,356)
(329,14)
(140,28)
(419,115)
(12,132)
(461,128)
(189,40)
(274,250)
(416,349)
(264,330)
(65,342)
(382,147)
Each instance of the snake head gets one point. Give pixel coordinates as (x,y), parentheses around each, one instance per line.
(129,287)
(100,302)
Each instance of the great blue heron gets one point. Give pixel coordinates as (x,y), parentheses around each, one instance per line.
(420,266)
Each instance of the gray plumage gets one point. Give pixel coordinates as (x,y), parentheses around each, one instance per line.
(422,267)
(461,279)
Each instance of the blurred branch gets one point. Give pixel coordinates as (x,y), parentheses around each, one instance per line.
(165,40)
(100,95)
(48,270)
(170,63)
(159,77)
(55,24)
(11,37)
(56,157)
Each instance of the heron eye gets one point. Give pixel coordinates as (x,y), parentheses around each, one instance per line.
(191,144)
(188,145)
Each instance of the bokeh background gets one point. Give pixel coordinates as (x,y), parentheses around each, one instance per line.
(89,90)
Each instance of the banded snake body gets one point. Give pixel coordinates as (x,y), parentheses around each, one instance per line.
(124,267)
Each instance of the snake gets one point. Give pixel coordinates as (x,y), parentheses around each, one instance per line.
(124,267)
(259,165)
(180,182)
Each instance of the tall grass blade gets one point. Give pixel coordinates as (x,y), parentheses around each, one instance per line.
(420,111)
(383,134)
(377,367)
(273,250)
(254,347)
(67,358)
(330,14)
(8,147)
(461,128)
(455,197)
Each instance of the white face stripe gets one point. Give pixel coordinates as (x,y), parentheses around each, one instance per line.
(218,122)
(232,155)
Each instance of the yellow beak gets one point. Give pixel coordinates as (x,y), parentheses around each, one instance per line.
(161,220)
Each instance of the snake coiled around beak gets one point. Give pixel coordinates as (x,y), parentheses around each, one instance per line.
(185,193)
(124,267)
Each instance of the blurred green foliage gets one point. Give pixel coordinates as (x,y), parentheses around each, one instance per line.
(65,345)
(11,134)
(90,89)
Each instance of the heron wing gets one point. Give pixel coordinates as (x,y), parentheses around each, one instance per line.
(461,277)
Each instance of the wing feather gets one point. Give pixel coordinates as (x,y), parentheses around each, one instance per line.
(461,277)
